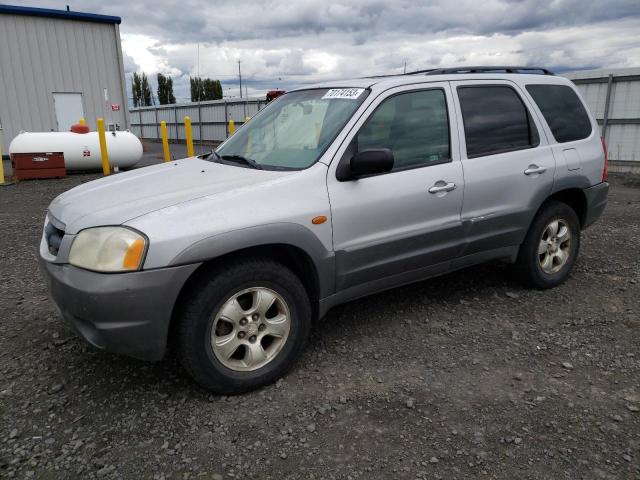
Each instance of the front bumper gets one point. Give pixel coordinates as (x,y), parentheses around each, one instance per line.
(596,202)
(126,313)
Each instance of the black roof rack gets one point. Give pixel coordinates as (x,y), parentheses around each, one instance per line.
(491,69)
(461,70)
(427,71)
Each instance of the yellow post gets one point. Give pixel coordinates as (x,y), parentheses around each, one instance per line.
(189,135)
(106,170)
(232,126)
(1,166)
(82,121)
(165,141)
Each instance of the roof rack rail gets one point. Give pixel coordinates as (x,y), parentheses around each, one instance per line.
(427,71)
(488,69)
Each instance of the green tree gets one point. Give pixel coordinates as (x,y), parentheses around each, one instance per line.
(165,90)
(147,97)
(136,89)
(208,87)
(197,93)
(205,89)
(218,90)
(141,91)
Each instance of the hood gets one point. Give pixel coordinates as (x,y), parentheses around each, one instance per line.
(118,198)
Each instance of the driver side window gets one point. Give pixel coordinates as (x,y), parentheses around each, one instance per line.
(413,125)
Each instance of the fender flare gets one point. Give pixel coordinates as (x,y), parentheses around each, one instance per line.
(291,234)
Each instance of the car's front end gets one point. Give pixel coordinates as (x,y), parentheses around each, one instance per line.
(96,282)
(117,252)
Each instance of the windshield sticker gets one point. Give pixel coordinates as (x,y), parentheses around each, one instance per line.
(348,93)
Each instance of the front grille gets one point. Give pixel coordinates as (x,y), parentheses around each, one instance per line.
(53,236)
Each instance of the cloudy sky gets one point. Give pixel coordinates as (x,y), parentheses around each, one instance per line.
(286,43)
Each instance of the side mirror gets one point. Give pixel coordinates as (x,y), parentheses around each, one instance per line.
(370,162)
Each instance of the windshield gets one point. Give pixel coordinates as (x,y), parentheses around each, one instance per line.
(292,132)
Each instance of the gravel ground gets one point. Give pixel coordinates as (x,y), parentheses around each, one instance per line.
(464,376)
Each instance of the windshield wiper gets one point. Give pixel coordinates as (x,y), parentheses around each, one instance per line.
(239,158)
(212,153)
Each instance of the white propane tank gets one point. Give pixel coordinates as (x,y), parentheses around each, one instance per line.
(81,150)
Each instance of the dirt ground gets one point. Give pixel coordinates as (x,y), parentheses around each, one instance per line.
(464,376)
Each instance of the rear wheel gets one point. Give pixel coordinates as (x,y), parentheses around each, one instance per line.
(243,326)
(550,249)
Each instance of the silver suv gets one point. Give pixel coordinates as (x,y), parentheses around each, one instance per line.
(331,193)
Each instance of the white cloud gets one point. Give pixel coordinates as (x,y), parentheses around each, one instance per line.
(283,43)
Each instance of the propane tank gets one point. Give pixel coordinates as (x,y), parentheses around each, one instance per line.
(81,150)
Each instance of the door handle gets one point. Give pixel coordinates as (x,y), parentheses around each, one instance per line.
(534,169)
(441,186)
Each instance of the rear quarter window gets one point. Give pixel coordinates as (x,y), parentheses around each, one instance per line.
(563,111)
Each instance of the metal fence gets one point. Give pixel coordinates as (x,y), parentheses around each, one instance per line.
(614,98)
(209,120)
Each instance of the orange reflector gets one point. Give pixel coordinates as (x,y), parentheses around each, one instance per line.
(134,255)
(319,219)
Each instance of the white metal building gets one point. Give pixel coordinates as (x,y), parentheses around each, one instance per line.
(613,95)
(57,66)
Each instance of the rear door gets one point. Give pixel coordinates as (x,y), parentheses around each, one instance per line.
(507,161)
(390,226)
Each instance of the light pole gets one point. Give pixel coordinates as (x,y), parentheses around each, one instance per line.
(240,77)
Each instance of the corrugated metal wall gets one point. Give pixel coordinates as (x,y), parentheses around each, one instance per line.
(620,121)
(207,118)
(40,56)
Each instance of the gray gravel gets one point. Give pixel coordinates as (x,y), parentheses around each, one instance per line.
(463,376)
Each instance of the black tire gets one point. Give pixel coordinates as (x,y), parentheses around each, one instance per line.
(211,289)
(528,265)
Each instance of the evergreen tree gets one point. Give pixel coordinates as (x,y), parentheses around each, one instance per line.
(172,98)
(197,92)
(208,88)
(218,90)
(136,89)
(205,89)
(147,99)
(165,90)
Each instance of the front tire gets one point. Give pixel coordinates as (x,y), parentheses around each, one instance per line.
(551,246)
(244,325)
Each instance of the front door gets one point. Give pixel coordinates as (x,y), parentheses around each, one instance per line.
(68,109)
(508,163)
(389,225)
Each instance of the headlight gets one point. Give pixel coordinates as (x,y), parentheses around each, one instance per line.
(108,249)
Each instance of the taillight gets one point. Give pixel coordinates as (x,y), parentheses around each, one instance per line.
(604,167)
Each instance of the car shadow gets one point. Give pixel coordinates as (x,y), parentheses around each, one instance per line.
(108,375)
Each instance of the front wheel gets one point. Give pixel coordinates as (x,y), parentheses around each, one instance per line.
(551,246)
(243,326)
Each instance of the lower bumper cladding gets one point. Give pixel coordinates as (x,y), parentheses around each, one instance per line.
(125,313)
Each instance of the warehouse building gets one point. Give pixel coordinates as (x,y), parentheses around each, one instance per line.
(57,66)
(613,95)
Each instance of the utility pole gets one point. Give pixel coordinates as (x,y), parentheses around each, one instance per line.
(199,84)
(240,77)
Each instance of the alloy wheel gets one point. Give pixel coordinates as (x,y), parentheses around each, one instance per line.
(250,329)
(554,248)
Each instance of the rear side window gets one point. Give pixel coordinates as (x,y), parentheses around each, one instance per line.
(495,120)
(563,111)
